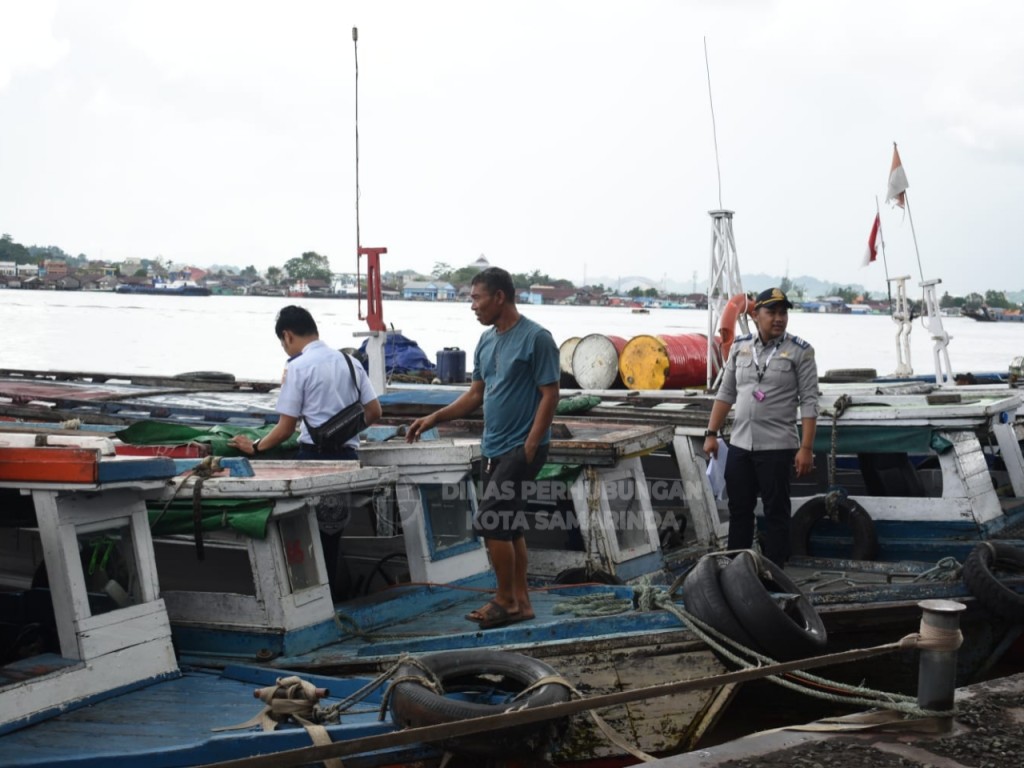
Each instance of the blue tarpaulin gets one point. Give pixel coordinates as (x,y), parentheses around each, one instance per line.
(401,355)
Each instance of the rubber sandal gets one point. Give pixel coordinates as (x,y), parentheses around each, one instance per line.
(494,615)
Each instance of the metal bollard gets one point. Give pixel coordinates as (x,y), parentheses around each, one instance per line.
(936,671)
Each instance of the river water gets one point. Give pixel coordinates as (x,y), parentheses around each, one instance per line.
(166,335)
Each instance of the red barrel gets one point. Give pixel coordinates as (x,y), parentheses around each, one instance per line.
(595,361)
(667,361)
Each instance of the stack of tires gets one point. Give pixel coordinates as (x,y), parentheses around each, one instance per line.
(752,601)
(982,571)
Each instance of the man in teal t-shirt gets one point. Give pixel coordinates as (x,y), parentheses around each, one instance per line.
(515,378)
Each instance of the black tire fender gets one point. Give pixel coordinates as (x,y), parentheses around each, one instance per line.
(414,704)
(213,376)
(865,538)
(981,580)
(850,374)
(772,608)
(702,596)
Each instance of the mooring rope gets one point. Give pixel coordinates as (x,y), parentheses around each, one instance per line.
(929,638)
(290,698)
(835,493)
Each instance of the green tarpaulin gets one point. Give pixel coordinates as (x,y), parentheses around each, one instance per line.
(248,516)
(577,404)
(566,472)
(913,440)
(161,433)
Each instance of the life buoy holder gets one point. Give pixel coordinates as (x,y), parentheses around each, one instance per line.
(849,513)
(415,703)
(740,304)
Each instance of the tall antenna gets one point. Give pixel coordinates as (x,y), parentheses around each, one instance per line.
(724,281)
(714,129)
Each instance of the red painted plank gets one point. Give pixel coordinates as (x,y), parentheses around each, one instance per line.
(186,451)
(49,465)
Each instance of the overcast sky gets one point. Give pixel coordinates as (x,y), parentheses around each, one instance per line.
(574,138)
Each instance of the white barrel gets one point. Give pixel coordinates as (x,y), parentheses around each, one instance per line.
(565,351)
(595,361)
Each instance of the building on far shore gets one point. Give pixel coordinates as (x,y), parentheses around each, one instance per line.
(434,290)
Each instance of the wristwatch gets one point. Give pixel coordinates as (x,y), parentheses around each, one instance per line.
(256,446)
(710,433)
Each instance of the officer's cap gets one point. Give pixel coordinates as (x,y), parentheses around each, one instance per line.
(771,297)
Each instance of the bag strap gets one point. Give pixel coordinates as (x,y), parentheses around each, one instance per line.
(352,370)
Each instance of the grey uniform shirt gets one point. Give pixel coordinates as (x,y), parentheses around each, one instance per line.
(788,379)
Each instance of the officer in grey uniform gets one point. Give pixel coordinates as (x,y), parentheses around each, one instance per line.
(768,375)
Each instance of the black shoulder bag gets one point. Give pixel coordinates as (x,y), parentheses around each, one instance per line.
(331,436)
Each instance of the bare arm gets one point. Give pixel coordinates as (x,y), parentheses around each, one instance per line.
(284,429)
(372,412)
(542,419)
(466,403)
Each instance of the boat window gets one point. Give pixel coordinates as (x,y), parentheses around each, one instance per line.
(177,565)
(627,514)
(449,509)
(109,567)
(297,542)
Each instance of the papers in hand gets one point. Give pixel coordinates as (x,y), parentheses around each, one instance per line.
(716,470)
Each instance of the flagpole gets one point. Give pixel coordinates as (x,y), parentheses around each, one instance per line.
(913,233)
(881,243)
(903,200)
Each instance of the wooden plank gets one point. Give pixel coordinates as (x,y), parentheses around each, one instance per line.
(186,451)
(57,465)
(135,468)
(194,381)
(99,443)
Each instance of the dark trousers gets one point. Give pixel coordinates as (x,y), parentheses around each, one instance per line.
(337,570)
(765,473)
(309,452)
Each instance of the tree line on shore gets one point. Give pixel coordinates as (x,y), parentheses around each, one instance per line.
(313,266)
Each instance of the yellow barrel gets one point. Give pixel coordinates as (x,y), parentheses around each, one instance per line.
(665,362)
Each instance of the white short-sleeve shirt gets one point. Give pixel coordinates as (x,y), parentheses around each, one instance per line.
(317,384)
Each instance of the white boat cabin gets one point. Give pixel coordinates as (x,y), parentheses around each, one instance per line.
(82,513)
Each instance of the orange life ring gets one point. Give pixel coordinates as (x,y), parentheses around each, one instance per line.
(737,305)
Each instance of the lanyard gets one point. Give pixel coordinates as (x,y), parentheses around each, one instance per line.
(757,368)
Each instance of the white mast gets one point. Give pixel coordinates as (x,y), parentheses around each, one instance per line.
(932,317)
(723,283)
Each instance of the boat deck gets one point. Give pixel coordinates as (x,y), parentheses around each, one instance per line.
(172,722)
(387,624)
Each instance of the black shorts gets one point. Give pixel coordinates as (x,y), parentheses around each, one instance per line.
(501,511)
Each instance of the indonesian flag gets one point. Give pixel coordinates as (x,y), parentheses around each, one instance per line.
(872,250)
(898,183)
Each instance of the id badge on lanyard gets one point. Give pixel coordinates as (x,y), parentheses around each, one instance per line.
(759,394)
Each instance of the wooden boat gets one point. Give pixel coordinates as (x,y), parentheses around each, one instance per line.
(161,288)
(111,692)
(416,532)
(872,603)
(267,600)
(986,314)
(259,616)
